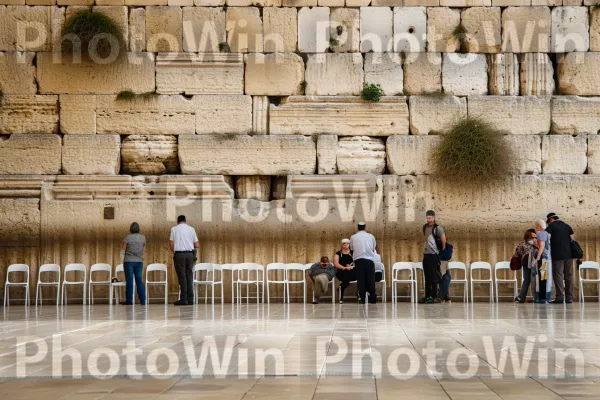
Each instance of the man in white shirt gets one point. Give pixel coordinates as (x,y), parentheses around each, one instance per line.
(184,243)
(363,246)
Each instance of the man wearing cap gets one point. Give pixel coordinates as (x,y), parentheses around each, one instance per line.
(363,246)
(561,235)
(183,244)
(435,241)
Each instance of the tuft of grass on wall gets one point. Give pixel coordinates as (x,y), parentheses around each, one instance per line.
(460,34)
(95,28)
(474,153)
(128,95)
(371,92)
(1,98)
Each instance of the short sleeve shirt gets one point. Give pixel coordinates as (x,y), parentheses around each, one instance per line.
(430,245)
(184,237)
(134,252)
(543,237)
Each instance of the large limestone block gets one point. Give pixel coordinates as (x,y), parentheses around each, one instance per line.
(385,69)
(518,115)
(260,114)
(527,153)
(503,74)
(410,29)
(526,29)
(344,30)
(327,148)
(411,155)
(421,3)
(376,29)
(483,26)
(570,29)
(280,29)
(57,23)
(357,3)
(442,22)
(77,113)
(361,155)
(223,114)
(164,29)
(537,75)
(137,29)
(299,3)
(313,29)
(595,29)
(564,154)
(17,73)
(29,114)
(167,115)
(119,15)
(30,154)
(334,74)
(56,74)
(244,30)
(423,73)
(253,187)
(466,3)
(149,155)
(433,114)
(203,29)
(91,155)
(253,155)
(593,155)
(573,115)
(25,28)
(204,73)
(347,116)
(277,74)
(579,74)
(465,74)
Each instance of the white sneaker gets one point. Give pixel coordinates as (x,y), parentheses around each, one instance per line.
(341,302)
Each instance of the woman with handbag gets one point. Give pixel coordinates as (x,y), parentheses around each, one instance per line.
(524,254)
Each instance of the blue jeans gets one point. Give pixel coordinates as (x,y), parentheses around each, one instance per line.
(134,269)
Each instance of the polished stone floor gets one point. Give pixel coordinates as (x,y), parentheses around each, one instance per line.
(298,352)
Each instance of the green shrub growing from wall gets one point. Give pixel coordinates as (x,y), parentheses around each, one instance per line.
(371,92)
(94,28)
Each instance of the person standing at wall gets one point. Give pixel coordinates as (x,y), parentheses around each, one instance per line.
(435,241)
(561,235)
(363,246)
(132,253)
(184,245)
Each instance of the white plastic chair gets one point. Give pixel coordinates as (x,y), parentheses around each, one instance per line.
(117,286)
(276,267)
(588,266)
(382,281)
(210,271)
(289,281)
(229,267)
(505,266)
(481,266)
(332,283)
(459,266)
(397,268)
(74,268)
(102,268)
(165,283)
(48,268)
(250,274)
(17,268)
(418,266)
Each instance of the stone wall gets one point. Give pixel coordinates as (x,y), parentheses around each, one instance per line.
(255,104)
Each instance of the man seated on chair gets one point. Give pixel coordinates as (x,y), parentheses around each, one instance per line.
(321,274)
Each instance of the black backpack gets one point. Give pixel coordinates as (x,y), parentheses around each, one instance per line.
(445,254)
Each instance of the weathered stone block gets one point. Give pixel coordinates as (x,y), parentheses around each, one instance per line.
(77,113)
(595,28)
(564,154)
(331,3)
(593,155)
(139,3)
(483,27)
(526,29)
(503,74)
(344,28)
(515,114)
(433,114)
(299,3)
(253,187)
(570,29)
(168,115)
(279,155)
(30,154)
(442,23)
(137,30)
(573,115)
(313,29)
(149,155)
(376,29)
(411,155)
(277,74)
(361,155)
(209,3)
(244,30)
(118,14)
(56,74)
(421,3)
(527,153)
(339,115)
(537,75)
(204,73)
(57,23)
(203,29)
(385,69)
(410,29)
(357,3)
(29,114)
(25,28)
(91,155)
(223,114)
(164,29)
(423,73)
(280,29)
(466,3)
(260,114)
(579,74)
(334,74)
(511,3)
(465,74)
(327,148)
(17,73)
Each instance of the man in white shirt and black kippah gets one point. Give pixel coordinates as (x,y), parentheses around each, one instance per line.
(363,246)
(184,243)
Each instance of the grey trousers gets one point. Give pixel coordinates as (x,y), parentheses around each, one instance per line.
(562,274)
(184,267)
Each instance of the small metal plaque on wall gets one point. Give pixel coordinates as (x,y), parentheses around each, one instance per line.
(109,212)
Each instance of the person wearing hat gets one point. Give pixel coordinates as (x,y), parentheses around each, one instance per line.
(363,246)
(561,235)
(435,242)
(344,265)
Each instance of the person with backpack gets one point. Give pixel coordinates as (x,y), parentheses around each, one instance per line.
(435,242)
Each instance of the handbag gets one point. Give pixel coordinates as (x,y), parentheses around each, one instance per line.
(515,263)
(576,250)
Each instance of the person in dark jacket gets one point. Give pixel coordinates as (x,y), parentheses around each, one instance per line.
(321,274)
(561,235)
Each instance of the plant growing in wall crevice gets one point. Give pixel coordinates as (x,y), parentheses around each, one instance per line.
(371,92)
(460,34)
(97,34)
(1,98)
(129,95)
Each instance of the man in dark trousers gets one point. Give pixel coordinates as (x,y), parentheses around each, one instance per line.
(184,243)
(561,235)
(435,241)
(363,246)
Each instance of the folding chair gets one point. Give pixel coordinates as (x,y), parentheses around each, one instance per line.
(106,268)
(8,284)
(210,270)
(397,268)
(277,267)
(382,281)
(250,274)
(117,286)
(418,266)
(459,266)
(505,266)
(74,268)
(165,283)
(290,268)
(49,269)
(481,266)
(583,268)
